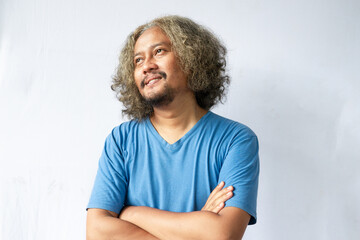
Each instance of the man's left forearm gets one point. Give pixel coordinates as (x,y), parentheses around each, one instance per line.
(191,225)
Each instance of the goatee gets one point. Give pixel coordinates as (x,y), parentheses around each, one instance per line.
(161,99)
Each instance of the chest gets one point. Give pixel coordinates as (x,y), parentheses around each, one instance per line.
(175,180)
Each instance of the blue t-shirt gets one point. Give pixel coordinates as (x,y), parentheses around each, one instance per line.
(139,168)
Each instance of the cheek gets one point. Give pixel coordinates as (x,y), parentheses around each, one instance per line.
(137,79)
(178,69)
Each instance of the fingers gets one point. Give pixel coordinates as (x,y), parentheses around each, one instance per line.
(221,197)
(217,189)
(218,197)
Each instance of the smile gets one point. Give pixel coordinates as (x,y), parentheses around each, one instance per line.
(152,81)
(152,78)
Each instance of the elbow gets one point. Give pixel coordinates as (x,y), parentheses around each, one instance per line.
(233,238)
(90,237)
(222,234)
(92,234)
(95,233)
(227,236)
(93,229)
(225,233)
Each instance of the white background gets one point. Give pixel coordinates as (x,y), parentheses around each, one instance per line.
(295,82)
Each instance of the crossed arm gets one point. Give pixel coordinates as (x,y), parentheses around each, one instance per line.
(214,221)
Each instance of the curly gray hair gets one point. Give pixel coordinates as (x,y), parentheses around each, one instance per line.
(201,55)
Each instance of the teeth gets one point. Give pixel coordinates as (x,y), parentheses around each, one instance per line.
(152,80)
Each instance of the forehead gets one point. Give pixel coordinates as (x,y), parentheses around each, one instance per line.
(150,38)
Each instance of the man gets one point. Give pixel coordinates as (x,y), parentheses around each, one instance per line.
(157,171)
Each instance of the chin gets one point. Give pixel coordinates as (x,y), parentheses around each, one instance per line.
(160,99)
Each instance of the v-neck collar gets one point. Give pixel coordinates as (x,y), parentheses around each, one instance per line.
(176,145)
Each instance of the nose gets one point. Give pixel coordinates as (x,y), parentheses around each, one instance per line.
(149,65)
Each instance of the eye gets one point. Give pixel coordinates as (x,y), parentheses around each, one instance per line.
(159,51)
(137,60)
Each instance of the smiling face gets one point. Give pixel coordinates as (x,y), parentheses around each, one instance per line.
(157,73)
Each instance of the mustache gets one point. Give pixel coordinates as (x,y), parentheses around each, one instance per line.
(162,74)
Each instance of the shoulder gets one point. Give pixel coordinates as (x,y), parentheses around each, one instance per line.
(125,132)
(230,128)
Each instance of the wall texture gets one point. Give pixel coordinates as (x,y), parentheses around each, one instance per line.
(295,82)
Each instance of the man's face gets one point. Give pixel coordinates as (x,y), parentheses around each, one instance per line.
(157,73)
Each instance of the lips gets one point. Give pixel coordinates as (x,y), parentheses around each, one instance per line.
(149,80)
(152,80)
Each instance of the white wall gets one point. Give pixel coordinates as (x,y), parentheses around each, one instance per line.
(295,82)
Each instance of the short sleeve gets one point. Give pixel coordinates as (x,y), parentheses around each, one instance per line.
(110,183)
(241,170)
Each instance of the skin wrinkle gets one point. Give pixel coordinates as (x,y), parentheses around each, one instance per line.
(156,55)
(160,100)
(162,74)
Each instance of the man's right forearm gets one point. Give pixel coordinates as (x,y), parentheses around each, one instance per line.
(104,226)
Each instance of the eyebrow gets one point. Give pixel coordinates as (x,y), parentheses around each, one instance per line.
(153,46)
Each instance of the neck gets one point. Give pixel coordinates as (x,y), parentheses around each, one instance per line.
(175,119)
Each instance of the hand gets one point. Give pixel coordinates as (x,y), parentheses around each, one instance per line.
(216,201)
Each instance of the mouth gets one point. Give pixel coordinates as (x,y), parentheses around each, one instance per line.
(152,79)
